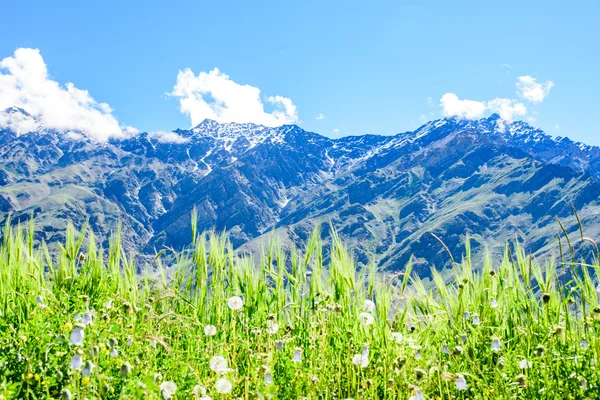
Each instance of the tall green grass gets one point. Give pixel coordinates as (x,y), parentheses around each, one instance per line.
(509,328)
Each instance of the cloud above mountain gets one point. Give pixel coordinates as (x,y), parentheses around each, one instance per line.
(528,89)
(214,95)
(25,83)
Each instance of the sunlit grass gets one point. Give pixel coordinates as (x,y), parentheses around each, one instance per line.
(215,325)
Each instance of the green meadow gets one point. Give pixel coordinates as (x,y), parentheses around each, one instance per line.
(83,322)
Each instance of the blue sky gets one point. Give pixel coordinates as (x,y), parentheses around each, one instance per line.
(367,67)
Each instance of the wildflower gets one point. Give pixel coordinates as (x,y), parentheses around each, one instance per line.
(66,394)
(87,369)
(417,395)
(109,304)
(366,319)
(397,337)
(199,391)
(153,343)
(87,319)
(445,349)
(279,345)
(584,384)
(463,337)
(210,330)
(76,362)
(460,382)
(496,345)
(493,303)
(539,350)
(476,320)
(94,351)
(129,341)
(368,306)
(268,379)
(524,364)
(467,315)
(584,344)
(360,360)
(235,303)
(168,389)
(114,353)
(77,335)
(125,370)
(297,355)
(112,342)
(272,327)
(218,364)
(418,354)
(223,386)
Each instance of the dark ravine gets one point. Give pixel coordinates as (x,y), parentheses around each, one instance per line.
(384,194)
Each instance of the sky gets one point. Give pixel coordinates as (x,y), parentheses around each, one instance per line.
(333,67)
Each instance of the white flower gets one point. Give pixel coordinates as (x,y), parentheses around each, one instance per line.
(297,355)
(460,382)
(279,345)
(109,304)
(76,362)
(365,351)
(199,391)
(397,337)
(77,336)
(366,319)
(272,327)
(463,337)
(476,320)
(418,395)
(493,303)
(235,303)
(524,364)
(584,344)
(496,345)
(65,394)
(39,300)
(210,330)
(153,343)
(168,389)
(268,378)
(218,364)
(88,367)
(467,315)
(418,354)
(129,341)
(445,349)
(368,306)
(87,319)
(114,353)
(360,360)
(223,386)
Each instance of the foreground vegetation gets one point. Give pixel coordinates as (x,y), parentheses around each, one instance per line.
(217,325)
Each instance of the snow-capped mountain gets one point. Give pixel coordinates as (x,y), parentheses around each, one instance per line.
(385,194)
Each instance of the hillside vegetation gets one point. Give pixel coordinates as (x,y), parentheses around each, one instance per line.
(217,325)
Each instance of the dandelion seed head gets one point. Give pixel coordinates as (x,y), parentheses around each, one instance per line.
(235,303)
(168,389)
(272,327)
(368,306)
(223,386)
(397,337)
(218,364)
(210,330)
(366,319)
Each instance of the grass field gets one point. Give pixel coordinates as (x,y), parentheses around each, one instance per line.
(78,325)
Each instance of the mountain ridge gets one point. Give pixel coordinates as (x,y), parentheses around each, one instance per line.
(385,194)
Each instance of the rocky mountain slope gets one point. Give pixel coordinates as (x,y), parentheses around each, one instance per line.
(384,194)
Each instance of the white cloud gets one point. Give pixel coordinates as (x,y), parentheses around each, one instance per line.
(25,83)
(214,95)
(336,131)
(453,106)
(320,117)
(529,89)
(508,109)
(168,137)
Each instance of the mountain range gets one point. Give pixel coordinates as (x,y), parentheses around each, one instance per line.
(385,195)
